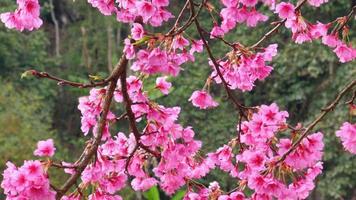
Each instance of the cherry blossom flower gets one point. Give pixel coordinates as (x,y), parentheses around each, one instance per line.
(25,17)
(285,10)
(106,7)
(317,3)
(163,85)
(347,134)
(203,100)
(137,31)
(345,53)
(45,148)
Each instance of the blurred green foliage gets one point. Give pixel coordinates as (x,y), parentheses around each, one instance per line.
(305,78)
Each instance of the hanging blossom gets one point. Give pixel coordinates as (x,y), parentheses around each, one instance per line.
(165,60)
(235,12)
(260,164)
(203,100)
(30,181)
(126,11)
(25,17)
(347,134)
(243,67)
(255,165)
(45,148)
(163,85)
(304,31)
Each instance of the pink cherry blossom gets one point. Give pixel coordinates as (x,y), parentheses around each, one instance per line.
(160,3)
(317,3)
(147,10)
(27,182)
(216,32)
(163,85)
(106,7)
(319,30)
(307,153)
(137,31)
(129,49)
(45,148)
(197,46)
(347,134)
(202,100)
(25,17)
(253,17)
(249,3)
(331,40)
(285,10)
(345,53)
(179,42)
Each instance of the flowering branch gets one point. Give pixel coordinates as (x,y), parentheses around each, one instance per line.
(216,66)
(131,116)
(107,161)
(276,27)
(91,149)
(324,112)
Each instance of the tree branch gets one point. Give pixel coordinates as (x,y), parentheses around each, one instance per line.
(240,107)
(325,111)
(91,149)
(131,116)
(63,82)
(276,27)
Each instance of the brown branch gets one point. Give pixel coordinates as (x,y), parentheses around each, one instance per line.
(131,115)
(67,82)
(325,111)
(92,148)
(351,101)
(240,107)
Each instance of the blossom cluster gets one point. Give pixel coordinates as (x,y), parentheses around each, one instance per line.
(243,67)
(30,181)
(304,31)
(25,17)
(239,12)
(264,158)
(152,12)
(257,165)
(120,154)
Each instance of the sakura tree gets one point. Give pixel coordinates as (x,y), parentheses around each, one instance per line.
(267,157)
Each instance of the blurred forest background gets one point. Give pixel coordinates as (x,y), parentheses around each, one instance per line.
(77,41)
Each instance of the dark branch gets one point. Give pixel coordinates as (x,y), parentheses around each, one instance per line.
(325,111)
(91,149)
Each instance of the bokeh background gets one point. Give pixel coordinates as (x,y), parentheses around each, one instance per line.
(77,41)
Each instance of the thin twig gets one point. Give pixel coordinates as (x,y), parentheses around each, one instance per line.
(63,82)
(325,111)
(346,19)
(217,67)
(276,27)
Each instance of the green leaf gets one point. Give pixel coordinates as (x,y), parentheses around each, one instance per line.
(141,41)
(152,194)
(95,77)
(26,74)
(179,195)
